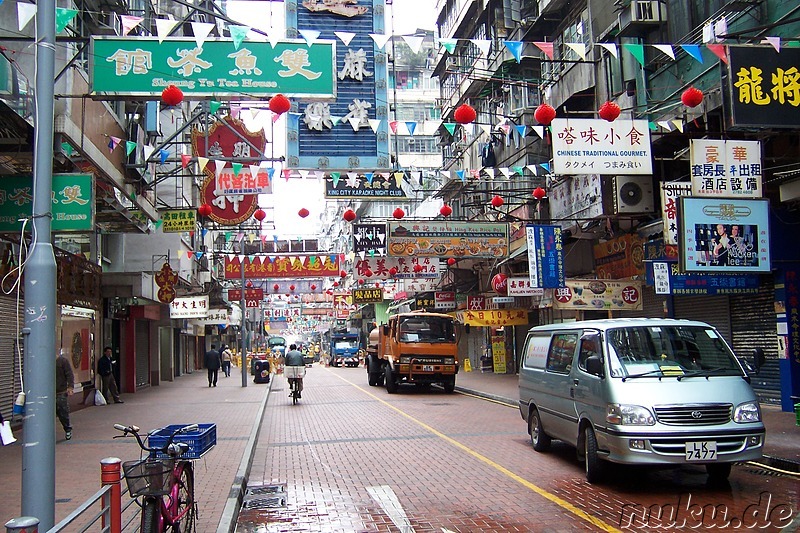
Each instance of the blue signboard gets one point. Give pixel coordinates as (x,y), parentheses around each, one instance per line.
(545,256)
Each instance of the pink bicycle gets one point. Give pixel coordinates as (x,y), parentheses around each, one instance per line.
(165,479)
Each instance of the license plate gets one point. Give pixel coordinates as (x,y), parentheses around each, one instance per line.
(705,450)
(427,368)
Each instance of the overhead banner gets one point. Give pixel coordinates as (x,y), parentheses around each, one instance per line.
(398,268)
(72,207)
(178,220)
(432,238)
(145,66)
(725,168)
(493,317)
(595,146)
(252,297)
(724,235)
(545,256)
(377,186)
(301,266)
(369,238)
(189,307)
(282,313)
(670,192)
(599,295)
(758,87)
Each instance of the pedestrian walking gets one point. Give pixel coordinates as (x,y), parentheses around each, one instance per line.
(213,362)
(65,380)
(226,360)
(108,385)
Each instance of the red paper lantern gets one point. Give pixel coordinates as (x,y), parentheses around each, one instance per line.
(393,271)
(279,104)
(291,288)
(398,213)
(539,193)
(368,273)
(204,210)
(259,214)
(417,268)
(500,284)
(303,213)
(609,111)
(544,114)
(342,274)
(451,261)
(497,201)
(335,283)
(171,96)
(692,97)
(464,114)
(349,215)
(313,287)
(446,210)
(378,285)
(275,287)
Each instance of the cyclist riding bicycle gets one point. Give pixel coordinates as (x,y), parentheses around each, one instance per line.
(295,358)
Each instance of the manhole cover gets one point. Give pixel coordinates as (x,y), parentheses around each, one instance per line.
(265,489)
(271,502)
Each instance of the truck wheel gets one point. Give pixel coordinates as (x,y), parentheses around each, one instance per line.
(374,378)
(539,439)
(594,465)
(391,384)
(449,384)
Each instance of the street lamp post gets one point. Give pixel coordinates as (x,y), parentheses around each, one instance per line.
(243,329)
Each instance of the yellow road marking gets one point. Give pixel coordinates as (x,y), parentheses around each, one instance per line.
(522,481)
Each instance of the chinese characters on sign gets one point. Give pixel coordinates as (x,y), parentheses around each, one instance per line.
(214,317)
(178,220)
(724,235)
(189,307)
(577,196)
(281,313)
(300,266)
(622,257)
(599,295)
(369,238)
(447,239)
(343,305)
(661,277)
(381,267)
(545,256)
(726,168)
(444,300)
(521,286)
(73,202)
(670,192)
(494,318)
(252,297)
(375,186)
(366,296)
(594,146)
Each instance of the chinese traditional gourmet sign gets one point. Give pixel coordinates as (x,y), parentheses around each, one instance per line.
(589,146)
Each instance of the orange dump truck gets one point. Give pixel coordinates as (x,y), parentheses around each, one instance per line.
(417,347)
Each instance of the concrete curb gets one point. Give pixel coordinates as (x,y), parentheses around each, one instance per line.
(230,514)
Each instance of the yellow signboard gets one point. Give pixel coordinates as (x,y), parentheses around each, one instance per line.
(494,317)
(178,220)
(499,354)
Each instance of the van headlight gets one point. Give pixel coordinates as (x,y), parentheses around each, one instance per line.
(629,415)
(747,412)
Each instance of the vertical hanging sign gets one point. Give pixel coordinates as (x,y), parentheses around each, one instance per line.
(545,256)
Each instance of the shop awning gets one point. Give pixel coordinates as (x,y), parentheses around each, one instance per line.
(516,253)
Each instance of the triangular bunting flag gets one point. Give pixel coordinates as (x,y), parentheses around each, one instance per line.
(398,178)
(335,177)
(522,130)
(484,45)
(274,36)
(547,48)
(462,175)
(578,48)
(380,39)
(335,120)
(545,166)
(393,126)
(237,167)
(352,180)
(611,47)
(130,146)
(666,49)
(505,172)
(636,50)
(448,44)
(254,172)
(693,50)
(163,154)
(486,128)
(678,123)
(67,149)
(539,131)
(213,106)
(489,172)
(345,36)
(201,31)
(665,125)
(719,50)
(148,151)
(445,174)
(287,173)
(25,12)
(113,143)
(450,127)
(411,127)
(374,124)
(518,170)
(219,166)
(653,126)
(775,42)
(413,42)
(369,176)
(310,36)
(355,123)
(127,23)
(163,27)
(238,34)
(64,17)
(533,169)
(515,47)
(202,162)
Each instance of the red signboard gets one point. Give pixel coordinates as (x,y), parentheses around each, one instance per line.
(252,297)
(302,266)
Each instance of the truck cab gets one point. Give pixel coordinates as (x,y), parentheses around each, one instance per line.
(345,349)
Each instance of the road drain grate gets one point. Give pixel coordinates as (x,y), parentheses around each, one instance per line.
(765,472)
(265,489)
(272,502)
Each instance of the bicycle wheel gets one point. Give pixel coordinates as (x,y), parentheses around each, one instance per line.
(184,510)
(150,514)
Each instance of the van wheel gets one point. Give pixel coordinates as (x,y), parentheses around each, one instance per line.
(593,464)
(539,439)
(391,384)
(449,384)
(718,471)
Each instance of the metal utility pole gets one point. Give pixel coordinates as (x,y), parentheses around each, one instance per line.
(243,329)
(38,450)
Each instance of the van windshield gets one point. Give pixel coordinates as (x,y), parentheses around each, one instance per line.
(657,351)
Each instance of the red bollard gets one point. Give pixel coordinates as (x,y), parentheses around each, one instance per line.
(110,475)
(23,524)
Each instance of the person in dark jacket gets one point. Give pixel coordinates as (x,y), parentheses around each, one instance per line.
(65,380)
(108,384)
(213,362)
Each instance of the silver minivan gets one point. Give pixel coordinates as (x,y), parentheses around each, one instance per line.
(639,391)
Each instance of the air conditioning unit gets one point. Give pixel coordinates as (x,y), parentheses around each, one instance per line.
(629,195)
(639,15)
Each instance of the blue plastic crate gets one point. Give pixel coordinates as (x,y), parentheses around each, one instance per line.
(199,441)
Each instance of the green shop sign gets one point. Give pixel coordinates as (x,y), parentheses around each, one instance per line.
(73,202)
(141,66)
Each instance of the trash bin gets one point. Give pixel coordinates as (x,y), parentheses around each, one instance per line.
(261,371)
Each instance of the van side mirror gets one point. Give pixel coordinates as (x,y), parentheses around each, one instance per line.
(386,329)
(758,358)
(594,365)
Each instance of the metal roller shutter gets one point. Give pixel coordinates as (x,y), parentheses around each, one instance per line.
(755,326)
(652,305)
(9,358)
(714,310)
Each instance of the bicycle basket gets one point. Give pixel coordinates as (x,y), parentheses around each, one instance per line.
(148,477)
(294,372)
